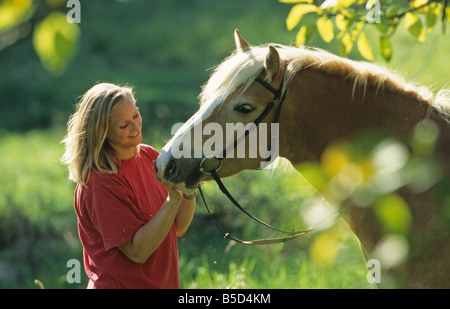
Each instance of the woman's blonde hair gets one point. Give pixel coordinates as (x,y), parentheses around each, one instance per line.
(86,143)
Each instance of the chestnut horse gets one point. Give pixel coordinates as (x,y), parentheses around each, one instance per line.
(326,99)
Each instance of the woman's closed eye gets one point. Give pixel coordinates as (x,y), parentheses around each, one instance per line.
(135,116)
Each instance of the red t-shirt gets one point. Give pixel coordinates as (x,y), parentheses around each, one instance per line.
(110,211)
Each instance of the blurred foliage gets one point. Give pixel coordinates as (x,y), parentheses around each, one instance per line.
(327,258)
(56,42)
(55,39)
(346,20)
(368,172)
(165,50)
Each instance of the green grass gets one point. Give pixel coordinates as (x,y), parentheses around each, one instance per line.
(39,234)
(209,261)
(37,220)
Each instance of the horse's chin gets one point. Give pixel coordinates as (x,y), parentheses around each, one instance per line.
(190,185)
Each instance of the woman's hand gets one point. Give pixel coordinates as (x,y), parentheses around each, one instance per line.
(175,196)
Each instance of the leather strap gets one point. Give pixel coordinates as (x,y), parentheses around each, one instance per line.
(265,241)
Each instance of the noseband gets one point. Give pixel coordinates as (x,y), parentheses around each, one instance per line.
(279,97)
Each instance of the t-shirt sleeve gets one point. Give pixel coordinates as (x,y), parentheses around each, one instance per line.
(149,151)
(114,216)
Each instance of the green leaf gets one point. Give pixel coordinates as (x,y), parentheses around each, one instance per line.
(295,1)
(364,46)
(393,213)
(384,45)
(345,3)
(313,173)
(56,42)
(431,20)
(346,45)
(305,33)
(419,3)
(414,26)
(342,23)
(297,12)
(15,12)
(383,25)
(325,27)
(392,11)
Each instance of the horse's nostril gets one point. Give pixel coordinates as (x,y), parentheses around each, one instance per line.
(171,170)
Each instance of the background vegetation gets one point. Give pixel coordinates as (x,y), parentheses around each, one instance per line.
(165,50)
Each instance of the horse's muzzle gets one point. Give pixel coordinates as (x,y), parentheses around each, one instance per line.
(179,170)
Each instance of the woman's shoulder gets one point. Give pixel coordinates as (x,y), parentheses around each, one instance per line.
(148,151)
(97,179)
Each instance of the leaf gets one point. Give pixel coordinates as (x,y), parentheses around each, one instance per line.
(334,158)
(325,27)
(305,33)
(364,46)
(295,1)
(324,248)
(431,19)
(297,12)
(384,45)
(393,213)
(421,4)
(354,33)
(383,24)
(15,12)
(392,11)
(313,173)
(341,22)
(345,3)
(414,25)
(56,42)
(346,45)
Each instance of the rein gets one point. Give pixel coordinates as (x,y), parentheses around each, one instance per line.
(278,96)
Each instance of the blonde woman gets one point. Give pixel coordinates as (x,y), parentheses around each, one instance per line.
(128,221)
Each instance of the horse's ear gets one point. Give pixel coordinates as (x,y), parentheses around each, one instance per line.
(272,62)
(241,44)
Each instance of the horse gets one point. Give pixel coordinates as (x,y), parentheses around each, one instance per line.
(326,99)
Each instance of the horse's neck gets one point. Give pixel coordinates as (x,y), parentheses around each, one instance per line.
(321,109)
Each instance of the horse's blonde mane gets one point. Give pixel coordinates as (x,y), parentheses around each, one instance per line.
(241,69)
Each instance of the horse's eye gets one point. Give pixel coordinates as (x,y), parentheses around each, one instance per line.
(244,108)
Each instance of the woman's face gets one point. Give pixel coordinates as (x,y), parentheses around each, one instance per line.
(124,132)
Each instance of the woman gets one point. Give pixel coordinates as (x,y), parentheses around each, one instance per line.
(128,221)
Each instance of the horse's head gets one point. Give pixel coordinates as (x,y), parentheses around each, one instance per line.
(222,134)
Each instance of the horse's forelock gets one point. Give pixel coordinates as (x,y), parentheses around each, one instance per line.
(239,69)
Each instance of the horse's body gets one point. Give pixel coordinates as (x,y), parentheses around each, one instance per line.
(327,99)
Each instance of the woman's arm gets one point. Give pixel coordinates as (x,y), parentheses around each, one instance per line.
(148,238)
(184,216)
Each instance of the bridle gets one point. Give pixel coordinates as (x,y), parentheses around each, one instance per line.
(278,96)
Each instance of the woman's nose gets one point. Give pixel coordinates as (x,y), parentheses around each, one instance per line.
(135,126)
